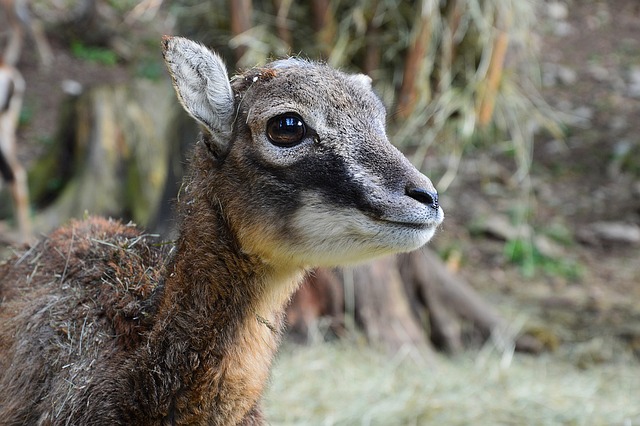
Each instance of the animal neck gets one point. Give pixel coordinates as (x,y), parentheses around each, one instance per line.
(214,279)
(219,319)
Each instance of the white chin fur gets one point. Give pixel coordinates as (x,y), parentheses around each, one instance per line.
(332,237)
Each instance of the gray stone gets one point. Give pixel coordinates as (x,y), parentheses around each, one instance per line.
(501,228)
(567,76)
(563,29)
(634,82)
(548,247)
(611,233)
(599,72)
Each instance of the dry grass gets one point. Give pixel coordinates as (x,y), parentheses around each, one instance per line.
(351,384)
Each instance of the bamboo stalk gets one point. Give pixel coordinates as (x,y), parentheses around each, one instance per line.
(454,16)
(414,62)
(372,52)
(282,28)
(241,13)
(324,24)
(489,90)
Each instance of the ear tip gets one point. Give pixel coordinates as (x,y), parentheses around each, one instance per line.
(169,41)
(363,79)
(166,40)
(176,45)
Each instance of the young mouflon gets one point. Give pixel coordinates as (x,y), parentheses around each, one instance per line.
(101,325)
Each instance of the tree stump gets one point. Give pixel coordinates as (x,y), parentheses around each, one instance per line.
(411,299)
(114,156)
(382,308)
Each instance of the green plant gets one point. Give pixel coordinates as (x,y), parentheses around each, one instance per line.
(93,53)
(523,252)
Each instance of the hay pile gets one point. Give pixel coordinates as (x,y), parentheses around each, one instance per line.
(351,384)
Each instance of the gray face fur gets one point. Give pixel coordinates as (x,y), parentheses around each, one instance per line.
(340,194)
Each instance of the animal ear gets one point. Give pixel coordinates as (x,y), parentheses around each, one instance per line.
(202,84)
(362,79)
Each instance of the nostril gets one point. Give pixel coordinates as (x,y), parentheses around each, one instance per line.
(423,196)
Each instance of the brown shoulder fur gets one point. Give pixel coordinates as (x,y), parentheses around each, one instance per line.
(67,298)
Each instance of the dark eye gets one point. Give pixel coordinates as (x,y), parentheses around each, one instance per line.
(286,130)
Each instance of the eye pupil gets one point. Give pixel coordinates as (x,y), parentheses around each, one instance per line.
(286,130)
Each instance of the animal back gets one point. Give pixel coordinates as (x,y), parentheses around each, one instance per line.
(66,306)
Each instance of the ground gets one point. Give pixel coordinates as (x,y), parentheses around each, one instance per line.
(590,55)
(583,300)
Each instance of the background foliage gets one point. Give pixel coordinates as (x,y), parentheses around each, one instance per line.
(455,74)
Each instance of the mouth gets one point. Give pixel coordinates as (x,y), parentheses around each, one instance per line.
(405,235)
(406,216)
(418,226)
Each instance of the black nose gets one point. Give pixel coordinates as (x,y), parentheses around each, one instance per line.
(425,197)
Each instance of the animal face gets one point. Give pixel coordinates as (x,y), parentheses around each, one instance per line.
(310,177)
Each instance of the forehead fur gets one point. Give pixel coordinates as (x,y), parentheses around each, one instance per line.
(309,84)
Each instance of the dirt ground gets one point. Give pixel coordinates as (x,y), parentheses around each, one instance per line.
(590,52)
(590,55)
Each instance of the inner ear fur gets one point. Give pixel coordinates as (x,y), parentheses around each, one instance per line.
(202,86)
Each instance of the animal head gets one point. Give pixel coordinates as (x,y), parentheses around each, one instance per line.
(300,160)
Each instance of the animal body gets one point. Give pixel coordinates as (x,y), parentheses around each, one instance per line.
(12,88)
(100,325)
(19,19)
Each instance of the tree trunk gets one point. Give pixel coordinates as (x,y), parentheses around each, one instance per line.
(241,13)
(412,299)
(382,307)
(115,155)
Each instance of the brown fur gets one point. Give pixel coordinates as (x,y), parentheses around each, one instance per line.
(116,343)
(63,302)
(102,325)
(116,336)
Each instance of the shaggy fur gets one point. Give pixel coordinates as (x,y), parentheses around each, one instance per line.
(105,338)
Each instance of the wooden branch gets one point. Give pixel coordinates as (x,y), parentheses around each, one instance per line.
(414,63)
(489,90)
(372,50)
(444,328)
(282,28)
(382,308)
(12,53)
(432,275)
(241,12)
(320,297)
(454,13)
(321,13)
(144,8)
(324,24)
(20,19)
